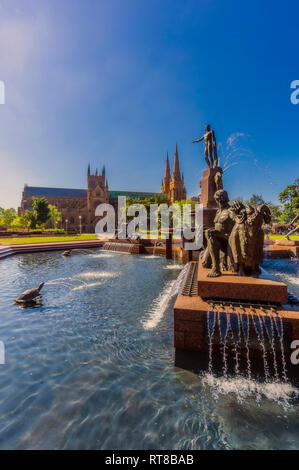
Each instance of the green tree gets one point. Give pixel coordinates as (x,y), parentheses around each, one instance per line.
(41,210)
(255,200)
(19,223)
(55,217)
(6,217)
(30,219)
(290,202)
(275,212)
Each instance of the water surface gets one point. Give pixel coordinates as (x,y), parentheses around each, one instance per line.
(93,366)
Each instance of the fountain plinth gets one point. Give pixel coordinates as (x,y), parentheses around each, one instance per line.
(210,183)
(231,286)
(127,245)
(282,249)
(233,318)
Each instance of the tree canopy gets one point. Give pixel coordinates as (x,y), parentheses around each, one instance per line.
(290,202)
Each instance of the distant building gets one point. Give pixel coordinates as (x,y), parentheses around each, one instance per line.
(77,206)
(173,187)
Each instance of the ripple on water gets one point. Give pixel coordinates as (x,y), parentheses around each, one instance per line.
(87,286)
(97,274)
(159,307)
(173,266)
(280,392)
(95,368)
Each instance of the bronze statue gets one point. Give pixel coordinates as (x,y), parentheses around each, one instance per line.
(217,238)
(246,241)
(237,241)
(254,222)
(211,156)
(218,179)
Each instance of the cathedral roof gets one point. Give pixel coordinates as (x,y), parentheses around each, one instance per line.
(58,192)
(132,194)
(67,192)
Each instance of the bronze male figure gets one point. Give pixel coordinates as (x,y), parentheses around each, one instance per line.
(211,156)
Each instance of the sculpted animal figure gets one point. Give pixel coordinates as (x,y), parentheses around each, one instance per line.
(30,295)
(254,222)
(67,253)
(246,241)
(238,239)
(217,238)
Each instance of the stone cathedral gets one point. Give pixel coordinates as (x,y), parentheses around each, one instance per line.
(174,187)
(77,206)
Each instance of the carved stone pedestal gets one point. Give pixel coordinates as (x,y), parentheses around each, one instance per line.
(208,188)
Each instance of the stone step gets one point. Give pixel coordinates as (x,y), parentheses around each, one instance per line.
(232,286)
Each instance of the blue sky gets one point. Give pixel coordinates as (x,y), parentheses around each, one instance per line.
(119,82)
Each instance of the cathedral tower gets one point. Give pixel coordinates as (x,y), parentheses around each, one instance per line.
(97,192)
(174,187)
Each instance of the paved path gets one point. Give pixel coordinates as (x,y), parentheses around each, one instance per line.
(8,250)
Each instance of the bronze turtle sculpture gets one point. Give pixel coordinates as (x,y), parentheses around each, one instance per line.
(66,253)
(30,295)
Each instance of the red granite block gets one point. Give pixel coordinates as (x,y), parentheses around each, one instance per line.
(231,286)
(287,242)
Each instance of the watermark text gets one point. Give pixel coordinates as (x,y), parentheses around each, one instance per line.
(295,94)
(2,353)
(2,92)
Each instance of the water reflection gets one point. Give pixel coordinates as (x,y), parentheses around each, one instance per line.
(82,370)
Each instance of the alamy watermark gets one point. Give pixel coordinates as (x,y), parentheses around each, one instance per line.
(138,221)
(2,92)
(295,354)
(295,94)
(2,353)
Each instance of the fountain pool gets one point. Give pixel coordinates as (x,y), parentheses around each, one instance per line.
(93,366)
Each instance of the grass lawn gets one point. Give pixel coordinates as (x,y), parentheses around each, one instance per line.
(282,237)
(37,239)
(84,237)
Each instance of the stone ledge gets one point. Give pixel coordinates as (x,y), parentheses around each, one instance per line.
(286,242)
(190,322)
(231,286)
(289,250)
(51,246)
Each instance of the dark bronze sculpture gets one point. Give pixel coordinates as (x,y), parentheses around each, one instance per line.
(218,179)
(255,234)
(237,241)
(217,238)
(30,295)
(211,156)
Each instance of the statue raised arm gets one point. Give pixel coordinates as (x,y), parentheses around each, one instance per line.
(211,156)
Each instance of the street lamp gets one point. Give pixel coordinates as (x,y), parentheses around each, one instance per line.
(66,222)
(80,221)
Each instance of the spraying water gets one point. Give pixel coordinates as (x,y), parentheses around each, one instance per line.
(246,328)
(236,326)
(224,326)
(279,327)
(236,335)
(211,319)
(268,324)
(161,303)
(258,326)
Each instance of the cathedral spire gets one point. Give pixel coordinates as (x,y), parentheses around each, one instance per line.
(104,171)
(167,177)
(167,170)
(88,170)
(96,172)
(176,166)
